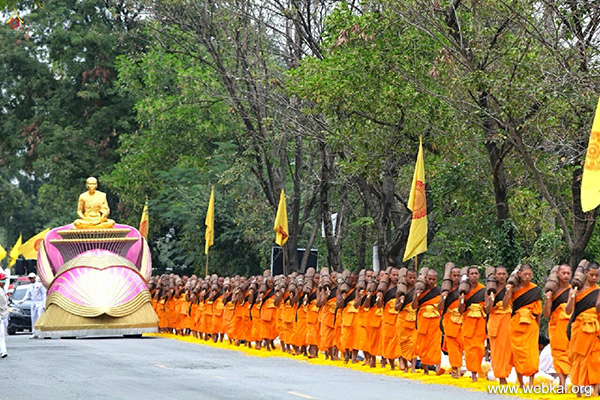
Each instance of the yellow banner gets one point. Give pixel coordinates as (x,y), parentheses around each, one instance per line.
(31,247)
(209,235)
(14,253)
(417,238)
(281,222)
(590,181)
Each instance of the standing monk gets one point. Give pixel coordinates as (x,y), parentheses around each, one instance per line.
(429,336)
(524,328)
(451,323)
(407,332)
(349,335)
(326,304)
(583,330)
(498,326)
(473,327)
(268,309)
(554,310)
(390,347)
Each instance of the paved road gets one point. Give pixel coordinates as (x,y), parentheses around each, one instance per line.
(157,368)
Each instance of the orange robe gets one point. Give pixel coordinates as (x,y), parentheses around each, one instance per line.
(170,311)
(327,323)
(429,335)
(299,335)
(337,335)
(268,313)
(557,332)
(228,318)
(185,321)
(349,320)
(407,331)
(362,326)
(287,321)
(217,315)
(584,348)
(390,347)
(246,333)
(497,327)
(373,327)
(208,316)
(256,323)
(202,306)
(238,321)
(524,332)
(452,323)
(473,328)
(312,320)
(194,316)
(161,313)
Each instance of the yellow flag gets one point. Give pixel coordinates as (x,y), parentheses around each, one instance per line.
(31,247)
(209,236)
(144,222)
(417,238)
(14,253)
(281,222)
(2,253)
(590,181)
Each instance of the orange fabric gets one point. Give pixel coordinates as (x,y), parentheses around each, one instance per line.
(327,325)
(287,322)
(349,329)
(524,334)
(170,311)
(373,330)
(246,333)
(429,335)
(217,325)
(453,340)
(473,332)
(268,314)
(256,323)
(390,347)
(362,328)
(208,316)
(337,336)
(228,319)
(312,323)
(498,333)
(161,313)
(584,349)
(299,335)
(407,332)
(184,311)
(559,342)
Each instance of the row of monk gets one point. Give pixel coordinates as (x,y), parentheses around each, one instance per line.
(399,315)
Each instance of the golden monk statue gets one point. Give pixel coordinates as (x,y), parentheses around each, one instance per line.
(92,208)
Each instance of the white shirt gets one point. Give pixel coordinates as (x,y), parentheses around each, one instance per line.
(546,362)
(3,305)
(36,292)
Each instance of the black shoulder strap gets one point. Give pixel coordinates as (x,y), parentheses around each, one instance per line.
(477,297)
(452,296)
(588,301)
(563,297)
(530,296)
(430,295)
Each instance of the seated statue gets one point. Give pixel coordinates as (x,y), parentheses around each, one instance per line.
(92,208)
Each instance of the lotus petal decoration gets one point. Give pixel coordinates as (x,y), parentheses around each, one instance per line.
(110,285)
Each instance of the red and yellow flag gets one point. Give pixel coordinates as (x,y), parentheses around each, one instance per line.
(590,181)
(281,222)
(30,248)
(417,238)
(2,253)
(209,235)
(144,222)
(14,253)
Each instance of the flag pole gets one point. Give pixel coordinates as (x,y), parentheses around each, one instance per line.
(206,274)
(416,263)
(283,255)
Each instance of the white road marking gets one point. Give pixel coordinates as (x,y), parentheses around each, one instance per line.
(219,377)
(160,366)
(304,396)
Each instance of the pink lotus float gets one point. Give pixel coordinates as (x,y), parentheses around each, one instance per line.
(96,281)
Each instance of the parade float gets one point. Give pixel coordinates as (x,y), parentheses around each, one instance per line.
(96,273)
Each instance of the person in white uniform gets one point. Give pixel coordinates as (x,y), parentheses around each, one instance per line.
(3,315)
(37,294)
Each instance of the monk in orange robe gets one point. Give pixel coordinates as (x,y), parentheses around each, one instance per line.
(524,328)
(349,319)
(498,326)
(312,320)
(472,307)
(300,326)
(554,310)
(407,331)
(268,309)
(161,312)
(228,315)
(326,303)
(429,336)
(583,331)
(390,346)
(288,317)
(217,327)
(451,323)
